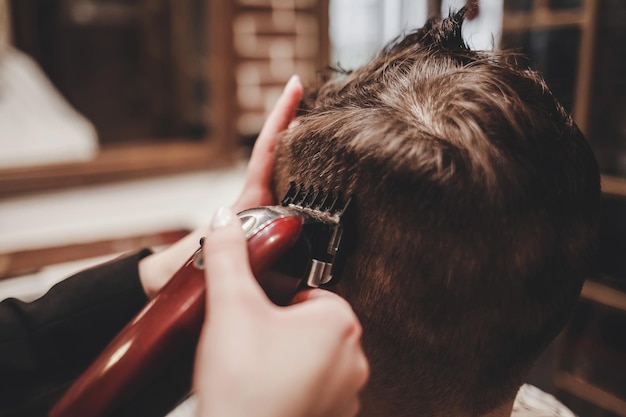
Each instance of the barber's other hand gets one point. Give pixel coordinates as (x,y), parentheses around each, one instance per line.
(155,270)
(257,359)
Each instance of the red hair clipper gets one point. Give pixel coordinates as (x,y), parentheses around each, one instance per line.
(291,246)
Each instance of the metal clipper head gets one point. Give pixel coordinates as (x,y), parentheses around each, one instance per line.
(323,214)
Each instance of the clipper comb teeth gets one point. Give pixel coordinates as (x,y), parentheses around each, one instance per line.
(319,201)
(324,230)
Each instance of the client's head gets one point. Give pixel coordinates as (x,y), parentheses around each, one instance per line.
(476,200)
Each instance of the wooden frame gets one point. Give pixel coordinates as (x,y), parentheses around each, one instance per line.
(115,164)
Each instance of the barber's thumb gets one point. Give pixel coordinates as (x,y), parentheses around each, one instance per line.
(227,268)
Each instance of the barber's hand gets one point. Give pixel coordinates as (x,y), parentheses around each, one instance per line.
(155,270)
(257,359)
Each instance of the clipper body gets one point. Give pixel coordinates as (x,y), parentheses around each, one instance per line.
(290,247)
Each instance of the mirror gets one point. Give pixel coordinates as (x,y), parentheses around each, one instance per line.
(96,90)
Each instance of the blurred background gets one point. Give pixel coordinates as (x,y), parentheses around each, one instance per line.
(125,123)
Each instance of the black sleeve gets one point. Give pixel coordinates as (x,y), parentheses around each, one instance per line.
(50,341)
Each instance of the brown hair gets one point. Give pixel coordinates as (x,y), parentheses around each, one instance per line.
(476,203)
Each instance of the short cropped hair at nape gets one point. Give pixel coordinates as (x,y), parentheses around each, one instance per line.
(476,207)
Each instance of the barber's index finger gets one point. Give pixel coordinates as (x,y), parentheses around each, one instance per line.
(282,114)
(284,109)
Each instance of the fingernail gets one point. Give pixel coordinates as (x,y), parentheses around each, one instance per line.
(294,78)
(222,217)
